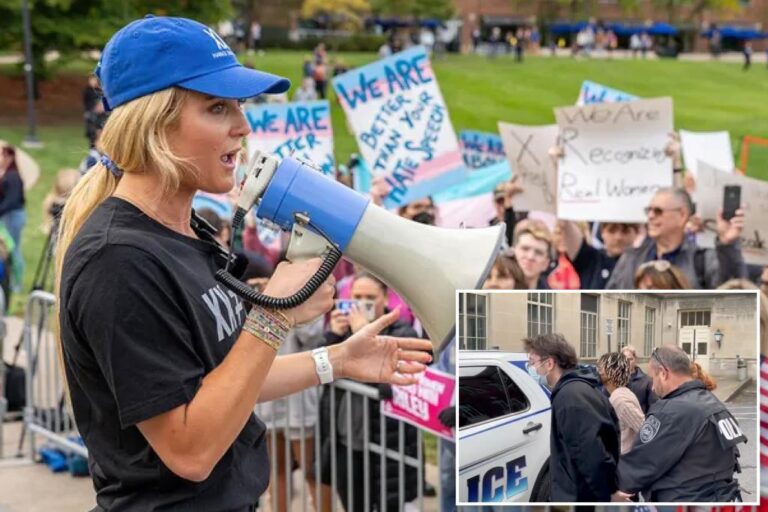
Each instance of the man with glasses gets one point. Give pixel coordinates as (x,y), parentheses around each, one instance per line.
(687,449)
(669,212)
(584,444)
(533,252)
(594,265)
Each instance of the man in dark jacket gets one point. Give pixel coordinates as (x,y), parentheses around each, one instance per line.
(639,383)
(584,446)
(687,449)
(371,295)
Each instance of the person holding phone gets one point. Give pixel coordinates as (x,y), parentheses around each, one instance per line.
(343,325)
(163,365)
(668,213)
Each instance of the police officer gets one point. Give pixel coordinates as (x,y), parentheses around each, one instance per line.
(687,448)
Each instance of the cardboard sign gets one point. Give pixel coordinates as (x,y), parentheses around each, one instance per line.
(592,92)
(527,149)
(712,148)
(302,130)
(710,183)
(420,403)
(480,149)
(615,159)
(401,124)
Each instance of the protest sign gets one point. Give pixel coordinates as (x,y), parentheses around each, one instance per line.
(713,148)
(708,196)
(470,203)
(592,92)
(401,124)
(614,159)
(420,404)
(302,130)
(480,149)
(527,149)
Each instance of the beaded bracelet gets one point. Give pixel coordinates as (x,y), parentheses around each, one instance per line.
(269,326)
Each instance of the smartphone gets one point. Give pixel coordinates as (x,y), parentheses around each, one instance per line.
(731,201)
(366,306)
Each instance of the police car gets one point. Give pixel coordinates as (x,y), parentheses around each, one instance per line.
(504,426)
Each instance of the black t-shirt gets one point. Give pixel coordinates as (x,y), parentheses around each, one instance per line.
(142,322)
(594,267)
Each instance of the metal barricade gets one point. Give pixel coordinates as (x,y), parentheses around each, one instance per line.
(46,413)
(359,486)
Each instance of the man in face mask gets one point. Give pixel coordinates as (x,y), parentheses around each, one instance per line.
(584,445)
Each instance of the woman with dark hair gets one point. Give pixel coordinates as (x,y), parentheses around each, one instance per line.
(660,275)
(12,212)
(613,368)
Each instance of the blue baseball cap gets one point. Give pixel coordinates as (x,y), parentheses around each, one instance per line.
(155,53)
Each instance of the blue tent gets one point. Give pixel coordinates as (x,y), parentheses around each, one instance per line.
(741,33)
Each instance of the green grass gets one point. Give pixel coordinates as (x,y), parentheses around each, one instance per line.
(479,93)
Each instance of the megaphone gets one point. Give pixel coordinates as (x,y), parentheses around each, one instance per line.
(424,264)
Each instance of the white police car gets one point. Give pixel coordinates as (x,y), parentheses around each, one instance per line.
(504,426)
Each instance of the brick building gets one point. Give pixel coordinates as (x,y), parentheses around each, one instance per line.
(510,14)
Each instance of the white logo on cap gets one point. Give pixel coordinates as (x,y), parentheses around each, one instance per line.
(217,39)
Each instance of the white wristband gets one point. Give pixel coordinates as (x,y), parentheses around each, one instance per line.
(323,365)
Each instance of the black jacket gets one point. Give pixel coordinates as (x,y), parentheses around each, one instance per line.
(685,451)
(642,386)
(584,446)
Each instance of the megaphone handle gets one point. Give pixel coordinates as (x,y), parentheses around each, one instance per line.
(245,292)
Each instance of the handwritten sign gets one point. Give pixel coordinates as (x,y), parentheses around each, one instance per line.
(401,124)
(615,159)
(592,92)
(480,149)
(419,404)
(710,183)
(713,148)
(302,130)
(527,150)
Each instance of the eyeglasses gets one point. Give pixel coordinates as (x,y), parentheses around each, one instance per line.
(655,355)
(533,364)
(658,210)
(658,265)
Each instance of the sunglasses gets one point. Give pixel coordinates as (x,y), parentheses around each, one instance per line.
(658,210)
(658,265)
(655,355)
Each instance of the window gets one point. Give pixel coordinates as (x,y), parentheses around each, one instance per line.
(473,321)
(623,323)
(487,393)
(589,325)
(695,318)
(540,313)
(650,330)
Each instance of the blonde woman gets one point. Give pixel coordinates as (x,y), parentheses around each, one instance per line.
(613,368)
(163,365)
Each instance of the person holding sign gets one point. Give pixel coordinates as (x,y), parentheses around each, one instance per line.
(668,213)
(594,265)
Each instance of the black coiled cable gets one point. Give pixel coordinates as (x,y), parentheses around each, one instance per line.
(247,293)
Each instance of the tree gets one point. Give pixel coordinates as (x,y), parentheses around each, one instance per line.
(70,26)
(423,9)
(344,14)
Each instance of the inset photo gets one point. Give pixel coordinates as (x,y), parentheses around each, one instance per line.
(575,397)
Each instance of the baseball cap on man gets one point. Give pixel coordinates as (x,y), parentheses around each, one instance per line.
(155,53)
